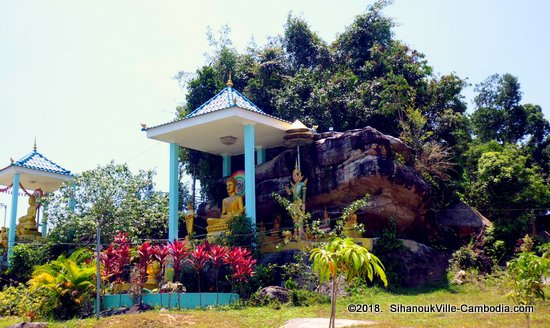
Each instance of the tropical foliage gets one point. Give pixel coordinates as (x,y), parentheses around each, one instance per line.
(527,272)
(117,262)
(344,257)
(69,283)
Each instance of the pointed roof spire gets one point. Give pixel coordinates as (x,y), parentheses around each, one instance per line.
(34,143)
(229,82)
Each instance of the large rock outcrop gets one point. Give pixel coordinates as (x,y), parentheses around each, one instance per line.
(462,219)
(342,167)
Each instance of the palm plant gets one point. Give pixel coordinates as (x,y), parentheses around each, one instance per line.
(70,280)
(343,256)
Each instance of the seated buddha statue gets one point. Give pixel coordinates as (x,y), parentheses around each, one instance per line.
(231,206)
(27,223)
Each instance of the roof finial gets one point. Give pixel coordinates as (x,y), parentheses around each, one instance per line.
(34,143)
(229,82)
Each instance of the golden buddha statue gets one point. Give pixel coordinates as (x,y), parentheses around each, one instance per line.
(231,206)
(27,223)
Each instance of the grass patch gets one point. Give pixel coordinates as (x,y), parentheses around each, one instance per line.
(234,316)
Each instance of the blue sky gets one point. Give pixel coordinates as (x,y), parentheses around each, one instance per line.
(81,76)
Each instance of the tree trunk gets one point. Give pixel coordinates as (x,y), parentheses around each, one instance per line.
(333,295)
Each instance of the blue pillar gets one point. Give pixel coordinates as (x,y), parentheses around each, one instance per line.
(72,201)
(260,155)
(13,215)
(249,173)
(43,222)
(173,198)
(226,165)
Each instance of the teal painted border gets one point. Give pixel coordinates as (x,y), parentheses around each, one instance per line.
(171,300)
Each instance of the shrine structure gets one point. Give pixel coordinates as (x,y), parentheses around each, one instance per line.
(33,175)
(226,125)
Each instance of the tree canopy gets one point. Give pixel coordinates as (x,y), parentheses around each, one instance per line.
(364,77)
(368,77)
(113,196)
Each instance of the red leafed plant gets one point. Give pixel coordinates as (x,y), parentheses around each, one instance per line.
(198,259)
(160,252)
(115,260)
(144,254)
(216,255)
(179,251)
(241,263)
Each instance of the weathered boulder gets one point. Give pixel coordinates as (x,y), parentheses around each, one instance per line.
(29,325)
(138,308)
(462,219)
(326,288)
(271,293)
(342,167)
(418,264)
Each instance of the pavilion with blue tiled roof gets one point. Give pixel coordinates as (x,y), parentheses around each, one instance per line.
(32,172)
(228,124)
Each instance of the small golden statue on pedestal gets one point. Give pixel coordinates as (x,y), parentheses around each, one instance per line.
(189,220)
(231,206)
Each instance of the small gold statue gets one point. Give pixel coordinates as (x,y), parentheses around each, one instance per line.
(231,206)
(349,227)
(189,220)
(153,268)
(4,237)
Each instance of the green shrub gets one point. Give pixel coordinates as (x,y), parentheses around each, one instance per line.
(241,232)
(463,259)
(26,303)
(386,248)
(25,257)
(10,298)
(494,248)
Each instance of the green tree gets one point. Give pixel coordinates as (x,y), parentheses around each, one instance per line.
(365,77)
(354,46)
(344,257)
(304,48)
(121,200)
(508,192)
(500,116)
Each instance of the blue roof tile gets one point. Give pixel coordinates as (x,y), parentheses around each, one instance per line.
(37,161)
(226,98)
